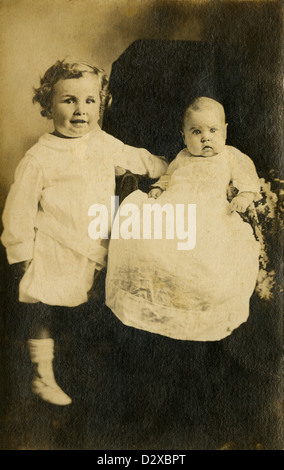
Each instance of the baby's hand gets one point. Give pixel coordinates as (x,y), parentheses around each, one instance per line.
(241,202)
(155,193)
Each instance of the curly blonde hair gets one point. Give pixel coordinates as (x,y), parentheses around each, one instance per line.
(63,70)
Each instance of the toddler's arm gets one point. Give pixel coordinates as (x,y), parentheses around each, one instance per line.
(20,212)
(137,160)
(164,181)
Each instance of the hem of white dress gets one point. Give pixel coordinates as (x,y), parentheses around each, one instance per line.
(129,310)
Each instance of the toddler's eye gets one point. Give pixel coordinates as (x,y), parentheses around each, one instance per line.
(196,132)
(69,101)
(90,100)
(212,130)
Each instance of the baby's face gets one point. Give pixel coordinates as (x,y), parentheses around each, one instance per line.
(75,108)
(204,132)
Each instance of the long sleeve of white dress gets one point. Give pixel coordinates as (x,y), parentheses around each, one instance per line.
(243,172)
(20,211)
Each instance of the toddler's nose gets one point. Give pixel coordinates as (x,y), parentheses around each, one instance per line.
(79,109)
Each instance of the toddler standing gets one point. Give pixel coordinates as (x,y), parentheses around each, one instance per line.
(46,213)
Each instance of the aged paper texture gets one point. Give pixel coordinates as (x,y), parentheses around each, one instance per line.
(131,389)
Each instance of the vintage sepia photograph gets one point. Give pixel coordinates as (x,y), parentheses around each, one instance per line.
(141,233)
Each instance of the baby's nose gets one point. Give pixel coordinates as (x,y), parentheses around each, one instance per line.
(205,136)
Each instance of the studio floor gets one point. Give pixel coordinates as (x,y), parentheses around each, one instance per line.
(135,392)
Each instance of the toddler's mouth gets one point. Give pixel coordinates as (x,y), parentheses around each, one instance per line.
(79,121)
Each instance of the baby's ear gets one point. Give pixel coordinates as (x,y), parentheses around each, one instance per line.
(182,134)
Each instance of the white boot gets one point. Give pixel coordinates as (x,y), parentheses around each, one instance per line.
(43,383)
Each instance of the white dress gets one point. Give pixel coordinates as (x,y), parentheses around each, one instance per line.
(200,294)
(46,213)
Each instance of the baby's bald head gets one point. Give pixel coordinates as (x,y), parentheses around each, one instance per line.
(205,104)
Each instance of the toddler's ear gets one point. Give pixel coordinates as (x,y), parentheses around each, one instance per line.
(48,113)
(182,134)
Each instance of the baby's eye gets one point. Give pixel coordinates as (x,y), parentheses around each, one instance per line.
(212,130)
(69,100)
(90,100)
(196,132)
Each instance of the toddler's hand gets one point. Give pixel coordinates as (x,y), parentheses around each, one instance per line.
(155,193)
(241,202)
(23,265)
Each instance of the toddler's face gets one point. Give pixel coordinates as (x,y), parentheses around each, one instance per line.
(204,132)
(75,108)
